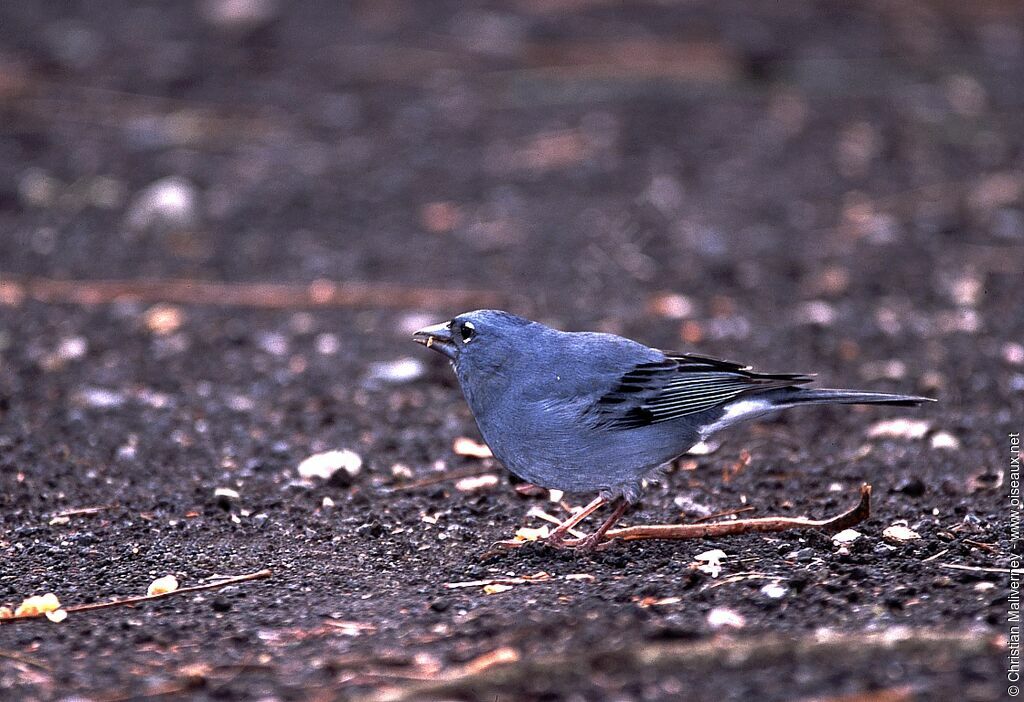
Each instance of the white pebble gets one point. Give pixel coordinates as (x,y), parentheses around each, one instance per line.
(464,446)
(703,448)
(711,562)
(274,343)
(1013,353)
(72,348)
(774,590)
(900,534)
(476,483)
(226,493)
(816,312)
(327,344)
(239,14)
(402,370)
(846,536)
(899,428)
(945,440)
(722,618)
(324,465)
(673,306)
(99,398)
(169,202)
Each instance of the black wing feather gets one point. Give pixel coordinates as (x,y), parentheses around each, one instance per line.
(680,385)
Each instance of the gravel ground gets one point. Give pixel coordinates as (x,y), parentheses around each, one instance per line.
(803,187)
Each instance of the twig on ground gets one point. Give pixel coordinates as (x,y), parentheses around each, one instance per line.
(319,293)
(535,578)
(974,569)
(726,513)
(740,577)
(511,676)
(940,554)
(25,660)
(233,580)
(747,526)
(80,511)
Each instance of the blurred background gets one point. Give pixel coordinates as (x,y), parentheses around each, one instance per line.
(584,155)
(220,220)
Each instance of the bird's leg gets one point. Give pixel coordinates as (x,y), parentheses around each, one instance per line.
(591,542)
(557,537)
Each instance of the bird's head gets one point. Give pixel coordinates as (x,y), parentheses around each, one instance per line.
(483,339)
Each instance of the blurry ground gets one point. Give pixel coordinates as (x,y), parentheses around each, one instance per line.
(798,185)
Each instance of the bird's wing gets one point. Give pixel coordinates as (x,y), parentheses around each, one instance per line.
(679,385)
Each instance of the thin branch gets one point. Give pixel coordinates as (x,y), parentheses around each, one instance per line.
(319,293)
(234,580)
(25,660)
(747,526)
(726,513)
(80,511)
(977,569)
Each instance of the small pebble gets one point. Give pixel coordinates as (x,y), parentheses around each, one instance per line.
(327,344)
(672,306)
(402,370)
(846,536)
(711,562)
(99,398)
(816,312)
(1013,353)
(162,586)
(899,428)
(170,203)
(464,446)
(476,483)
(900,534)
(945,440)
(326,464)
(774,590)
(723,618)
(163,319)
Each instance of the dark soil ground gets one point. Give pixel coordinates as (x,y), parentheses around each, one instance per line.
(805,186)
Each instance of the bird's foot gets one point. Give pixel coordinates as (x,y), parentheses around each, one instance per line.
(587,544)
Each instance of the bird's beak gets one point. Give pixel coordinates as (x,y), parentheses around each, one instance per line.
(437,337)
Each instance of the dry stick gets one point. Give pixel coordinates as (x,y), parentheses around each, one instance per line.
(25,660)
(747,526)
(726,513)
(80,511)
(234,580)
(319,293)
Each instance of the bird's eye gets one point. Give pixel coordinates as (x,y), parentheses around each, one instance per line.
(467,331)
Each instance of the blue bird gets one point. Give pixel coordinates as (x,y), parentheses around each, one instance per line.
(591,412)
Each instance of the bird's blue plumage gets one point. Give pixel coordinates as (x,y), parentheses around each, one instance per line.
(582,411)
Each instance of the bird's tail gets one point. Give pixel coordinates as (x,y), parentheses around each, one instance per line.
(792,396)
